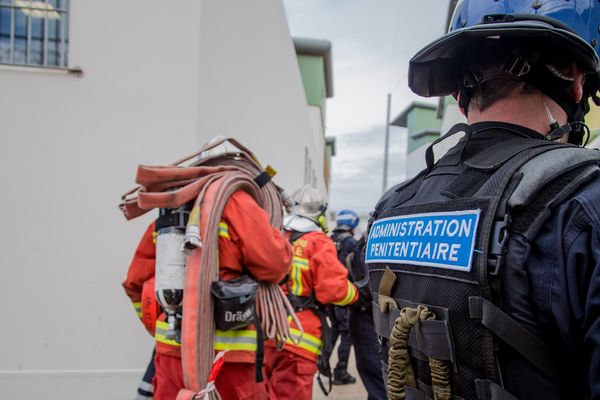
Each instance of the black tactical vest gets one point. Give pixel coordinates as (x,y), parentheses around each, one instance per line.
(455,240)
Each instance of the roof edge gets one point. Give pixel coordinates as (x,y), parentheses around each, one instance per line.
(318,47)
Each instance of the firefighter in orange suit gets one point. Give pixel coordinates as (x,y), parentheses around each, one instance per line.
(247,243)
(316,279)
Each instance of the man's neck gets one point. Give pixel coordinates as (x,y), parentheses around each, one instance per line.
(523,110)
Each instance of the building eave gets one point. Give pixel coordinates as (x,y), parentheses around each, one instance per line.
(321,48)
(401,119)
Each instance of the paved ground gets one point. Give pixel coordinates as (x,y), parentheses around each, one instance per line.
(355,391)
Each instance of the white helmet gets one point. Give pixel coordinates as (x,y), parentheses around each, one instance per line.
(308,202)
(224,147)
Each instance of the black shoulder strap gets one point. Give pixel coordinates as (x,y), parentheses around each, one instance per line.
(514,335)
(547,181)
(295,236)
(532,182)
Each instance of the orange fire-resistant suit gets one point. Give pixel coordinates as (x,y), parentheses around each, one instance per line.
(247,242)
(316,271)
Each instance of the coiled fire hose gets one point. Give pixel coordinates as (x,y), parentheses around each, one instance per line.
(210,183)
(275,324)
(400,371)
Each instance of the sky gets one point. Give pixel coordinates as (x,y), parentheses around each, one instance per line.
(372,42)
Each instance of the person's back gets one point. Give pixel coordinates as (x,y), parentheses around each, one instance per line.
(493,249)
(247,244)
(345,243)
(316,279)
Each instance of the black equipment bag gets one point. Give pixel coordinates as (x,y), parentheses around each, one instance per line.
(235,309)
(234,302)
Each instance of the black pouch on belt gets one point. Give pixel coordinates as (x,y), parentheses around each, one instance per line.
(234,309)
(234,302)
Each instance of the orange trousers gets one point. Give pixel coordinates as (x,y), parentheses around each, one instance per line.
(236,381)
(289,376)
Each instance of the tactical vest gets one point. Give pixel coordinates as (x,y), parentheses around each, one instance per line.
(446,253)
(339,238)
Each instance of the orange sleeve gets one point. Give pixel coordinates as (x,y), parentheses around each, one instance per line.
(331,284)
(265,252)
(142,266)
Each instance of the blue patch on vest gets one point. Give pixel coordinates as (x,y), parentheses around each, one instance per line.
(439,239)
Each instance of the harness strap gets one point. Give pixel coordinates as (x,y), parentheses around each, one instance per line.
(488,390)
(498,154)
(363,282)
(400,371)
(260,349)
(430,156)
(432,338)
(513,334)
(547,167)
(385,291)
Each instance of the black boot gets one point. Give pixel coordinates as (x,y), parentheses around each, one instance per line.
(343,378)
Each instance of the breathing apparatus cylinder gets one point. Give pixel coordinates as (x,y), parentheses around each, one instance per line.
(170,265)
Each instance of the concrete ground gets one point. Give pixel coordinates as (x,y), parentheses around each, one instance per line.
(354,391)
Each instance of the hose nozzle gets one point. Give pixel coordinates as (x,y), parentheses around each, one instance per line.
(191,240)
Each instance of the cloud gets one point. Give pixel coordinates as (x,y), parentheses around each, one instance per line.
(358,167)
(372,43)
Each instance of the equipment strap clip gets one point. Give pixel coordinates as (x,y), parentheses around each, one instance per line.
(264,177)
(516,65)
(498,245)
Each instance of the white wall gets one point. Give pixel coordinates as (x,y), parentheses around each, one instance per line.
(159,79)
(250,85)
(316,146)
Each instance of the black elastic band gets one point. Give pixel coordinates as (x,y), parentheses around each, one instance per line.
(173,219)
(430,157)
(260,349)
(262,179)
(488,390)
(322,386)
(514,335)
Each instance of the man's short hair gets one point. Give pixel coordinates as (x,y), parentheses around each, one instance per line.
(499,84)
(490,92)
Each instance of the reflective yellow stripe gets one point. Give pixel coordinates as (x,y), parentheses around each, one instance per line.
(349,295)
(138,308)
(235,340)
(307,342)
(298,265)
(224,340)
(159,334)
(224,230)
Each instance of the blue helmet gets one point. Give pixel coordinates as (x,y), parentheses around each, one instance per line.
(346,219)
(549,28)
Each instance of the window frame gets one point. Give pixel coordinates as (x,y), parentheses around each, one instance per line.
(29,9)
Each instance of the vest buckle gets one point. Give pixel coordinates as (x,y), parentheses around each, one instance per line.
(498,242)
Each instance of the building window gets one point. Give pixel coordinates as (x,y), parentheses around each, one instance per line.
(34,33)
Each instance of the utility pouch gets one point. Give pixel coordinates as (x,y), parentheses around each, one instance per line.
(234,302)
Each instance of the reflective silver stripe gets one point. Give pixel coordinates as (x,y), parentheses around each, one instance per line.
(146,387)
(160,331)
(235,339)
(307,342)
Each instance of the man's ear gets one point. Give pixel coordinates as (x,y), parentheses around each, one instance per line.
(576,89)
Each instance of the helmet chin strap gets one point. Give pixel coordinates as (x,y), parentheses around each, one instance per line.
(556,132)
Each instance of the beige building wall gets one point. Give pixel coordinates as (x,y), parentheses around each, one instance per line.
(160,78)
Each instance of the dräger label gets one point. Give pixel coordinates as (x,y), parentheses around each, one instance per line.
(439,239)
